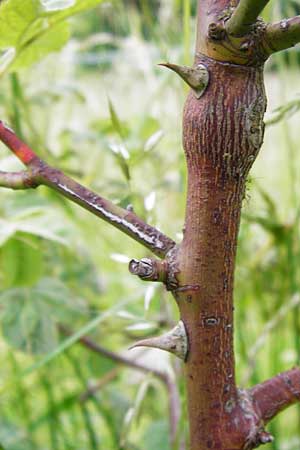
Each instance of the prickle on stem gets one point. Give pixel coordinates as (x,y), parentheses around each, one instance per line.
(175,342)
(196,77)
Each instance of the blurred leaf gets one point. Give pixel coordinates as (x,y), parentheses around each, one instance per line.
(37,48)
(42,222)
(148,127)
(141,329)
(292,7)
(114,405)
(13,436)
(29,315)
(157,436)
(269,202)
(149,201)
(153,140)
(26,325)
(118,127)
(57,5)
(57,92)
(133,412)
(120,258)
(67,343)
(121,156)
(68,11)
(278,230)
(30,29)
(119,150)
(21,261)
(149,295)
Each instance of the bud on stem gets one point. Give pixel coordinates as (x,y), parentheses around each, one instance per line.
(149,269)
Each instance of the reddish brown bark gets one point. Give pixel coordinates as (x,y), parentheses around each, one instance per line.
(277,394)
(222,134)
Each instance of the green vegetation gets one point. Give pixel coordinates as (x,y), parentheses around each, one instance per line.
(101,110)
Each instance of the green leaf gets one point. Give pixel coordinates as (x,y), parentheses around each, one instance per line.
(67,343)
(133,412)
(35,50)
(16,17)
(21,261)
(30,29)
(29,315)
(26,325)
(68,11)
(13,436)
(116,121)
(42,222)
(153,140)
(157,436)
(121,156)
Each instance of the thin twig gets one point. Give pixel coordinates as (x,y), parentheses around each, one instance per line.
(96,348)
(173,394)
(99,384)
(40,173)
(244,16)
(17,180)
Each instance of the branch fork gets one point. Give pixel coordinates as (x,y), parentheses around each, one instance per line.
(238,35)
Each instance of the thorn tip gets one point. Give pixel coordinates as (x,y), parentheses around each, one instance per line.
(196,77)
(175,341)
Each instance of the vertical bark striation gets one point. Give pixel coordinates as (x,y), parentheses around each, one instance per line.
(222,133)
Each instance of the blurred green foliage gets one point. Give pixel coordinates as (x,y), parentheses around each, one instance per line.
(101,110)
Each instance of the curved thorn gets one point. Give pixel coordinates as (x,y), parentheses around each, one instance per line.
(175,341)
(196,77)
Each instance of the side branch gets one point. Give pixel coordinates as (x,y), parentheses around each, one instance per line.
(276,394)
(282,35)
(245,16)
(18,180)
(40,173)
